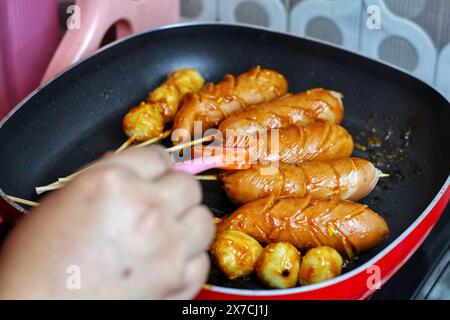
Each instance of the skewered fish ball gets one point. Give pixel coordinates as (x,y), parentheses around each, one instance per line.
(235,253)
(278,266)
(144,122)
(320,264)
(148,120)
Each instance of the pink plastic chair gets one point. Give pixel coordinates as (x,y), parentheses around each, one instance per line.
(29,34)
(97,16)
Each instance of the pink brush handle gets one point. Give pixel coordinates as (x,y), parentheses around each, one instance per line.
(97,16)
(197,166)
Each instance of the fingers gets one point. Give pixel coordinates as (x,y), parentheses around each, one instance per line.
(147,163)
(177,192)
(199,229)
(195,276)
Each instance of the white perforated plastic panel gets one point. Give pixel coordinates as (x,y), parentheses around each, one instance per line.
(414,34)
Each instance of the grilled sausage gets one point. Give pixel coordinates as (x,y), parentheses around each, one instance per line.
(350,179)
(318,141)
(217,101)
(309,222)
(147,120)
(300,109)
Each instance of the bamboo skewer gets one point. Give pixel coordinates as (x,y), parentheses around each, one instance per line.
(61,181)
(213,177)
(209,177)
(51,187)
(121,149)
(125,145)
(23,201)
(55,186)
(154,140)
(190,144)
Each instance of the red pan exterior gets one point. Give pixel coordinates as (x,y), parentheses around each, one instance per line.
(8,212)
(354,287)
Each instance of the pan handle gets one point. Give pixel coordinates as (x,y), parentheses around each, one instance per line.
(90,20)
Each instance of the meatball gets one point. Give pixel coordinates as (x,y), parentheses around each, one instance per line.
(144,122)
(235,253)
(278,265)
(320,264)
(148,120)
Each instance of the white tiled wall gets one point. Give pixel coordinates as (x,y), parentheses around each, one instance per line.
(415,34)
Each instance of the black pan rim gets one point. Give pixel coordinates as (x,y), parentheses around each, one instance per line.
(245,26)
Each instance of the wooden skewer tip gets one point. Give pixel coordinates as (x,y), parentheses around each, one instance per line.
(211,177)
(190,144)
(23,201)
(125,145)
(44,189)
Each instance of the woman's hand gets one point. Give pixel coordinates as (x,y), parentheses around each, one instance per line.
(128,227)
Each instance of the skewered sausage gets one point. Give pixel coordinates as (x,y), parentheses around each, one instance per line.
(278,265)
(235,253)
(309,222)
(350,179)
(320,264)
(300,109)
(147,120)
(318,141)
(217,101)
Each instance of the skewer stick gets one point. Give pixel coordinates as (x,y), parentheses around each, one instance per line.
(217,220)
(58,184)
(23,201)
(64,180)
(61,181)
(381,174)
(121,149)
(51,187)
(154,140)
(125,145)
(210,177)
(190,144)
(68,178)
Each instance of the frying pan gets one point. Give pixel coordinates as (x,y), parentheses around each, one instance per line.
(397,121)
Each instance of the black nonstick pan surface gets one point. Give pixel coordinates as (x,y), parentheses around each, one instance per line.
(397,121)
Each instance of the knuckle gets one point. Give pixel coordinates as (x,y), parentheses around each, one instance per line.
(198,270)
(189,186)
(178,264)
(107,178)
(160,154)
(206,224)
(180,186)
(200,226)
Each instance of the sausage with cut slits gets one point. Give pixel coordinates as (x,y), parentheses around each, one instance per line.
(350,179)
(217,101)
(310,222)
(300,109)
